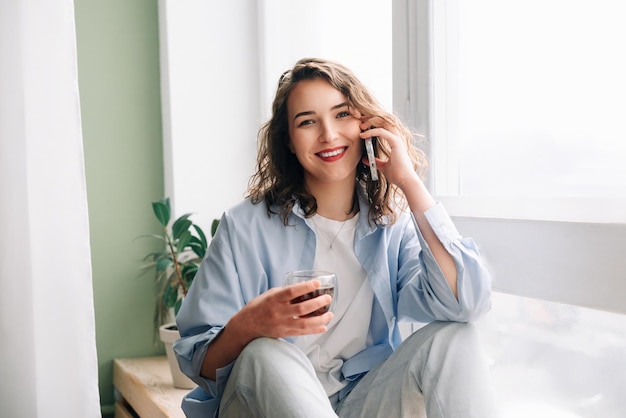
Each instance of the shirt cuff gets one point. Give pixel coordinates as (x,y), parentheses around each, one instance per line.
(442,225)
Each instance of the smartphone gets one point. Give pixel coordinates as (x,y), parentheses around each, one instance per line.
(369,148)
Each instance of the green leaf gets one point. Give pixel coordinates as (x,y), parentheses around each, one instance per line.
(179,303)
(161,210)
(181,225)
(183,217)
(150,258)
(161,253)
(189,280)
(189,270)
(164,263)
(202,236)
(198,248)
(183,241)
(156,256)
(214,225)
(170,295)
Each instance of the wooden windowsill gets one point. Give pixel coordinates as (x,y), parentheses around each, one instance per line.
(146,387)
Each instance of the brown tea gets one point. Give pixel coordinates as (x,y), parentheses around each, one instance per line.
(324,290)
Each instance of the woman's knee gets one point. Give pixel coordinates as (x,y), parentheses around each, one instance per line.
(261,350)
(447,332)
(261,345)
(271,353)
(459,333)
(443,341)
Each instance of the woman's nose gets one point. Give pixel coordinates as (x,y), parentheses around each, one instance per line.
(328,133)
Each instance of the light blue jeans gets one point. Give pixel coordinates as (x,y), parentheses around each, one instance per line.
(438,371)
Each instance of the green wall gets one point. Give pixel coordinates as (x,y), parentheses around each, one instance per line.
(118,66)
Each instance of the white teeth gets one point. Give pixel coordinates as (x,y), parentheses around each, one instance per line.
(332,153)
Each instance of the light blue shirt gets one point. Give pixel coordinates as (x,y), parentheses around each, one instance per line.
(251,253)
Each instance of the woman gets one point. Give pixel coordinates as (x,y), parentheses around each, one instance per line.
(313,203)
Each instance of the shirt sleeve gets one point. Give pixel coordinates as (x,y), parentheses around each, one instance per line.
(190,352)
(213,298)
(424,293)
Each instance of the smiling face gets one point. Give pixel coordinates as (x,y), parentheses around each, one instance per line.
(324,135)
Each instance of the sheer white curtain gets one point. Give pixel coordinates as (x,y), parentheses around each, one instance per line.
(48,365)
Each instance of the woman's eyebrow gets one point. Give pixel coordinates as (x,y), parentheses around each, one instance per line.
(306,113)
(340,105)
(311,112)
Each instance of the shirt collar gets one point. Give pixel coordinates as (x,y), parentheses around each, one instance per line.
(364,226)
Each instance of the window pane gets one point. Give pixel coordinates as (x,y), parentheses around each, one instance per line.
(530,98)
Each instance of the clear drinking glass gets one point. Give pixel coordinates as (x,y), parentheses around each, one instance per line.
(328,286)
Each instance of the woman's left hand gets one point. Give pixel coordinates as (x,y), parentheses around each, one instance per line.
(398,167)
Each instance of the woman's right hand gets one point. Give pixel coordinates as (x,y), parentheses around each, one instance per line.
(272,314)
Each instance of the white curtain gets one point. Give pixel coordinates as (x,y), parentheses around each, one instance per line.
(48,364)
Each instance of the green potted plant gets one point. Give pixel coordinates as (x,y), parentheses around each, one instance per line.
(175,266)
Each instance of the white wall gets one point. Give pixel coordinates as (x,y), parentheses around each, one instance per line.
(210,103)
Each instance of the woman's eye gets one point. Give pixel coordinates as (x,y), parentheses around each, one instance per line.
(343,114)
(305,122)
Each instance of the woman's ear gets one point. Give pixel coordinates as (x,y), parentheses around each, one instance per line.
(290,145)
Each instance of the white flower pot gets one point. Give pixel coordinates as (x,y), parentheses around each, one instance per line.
(168,334)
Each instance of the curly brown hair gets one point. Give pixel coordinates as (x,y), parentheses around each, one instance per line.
(279,177)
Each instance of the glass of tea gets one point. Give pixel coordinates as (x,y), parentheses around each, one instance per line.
(328,286)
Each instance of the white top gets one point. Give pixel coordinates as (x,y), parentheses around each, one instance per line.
(348,332)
